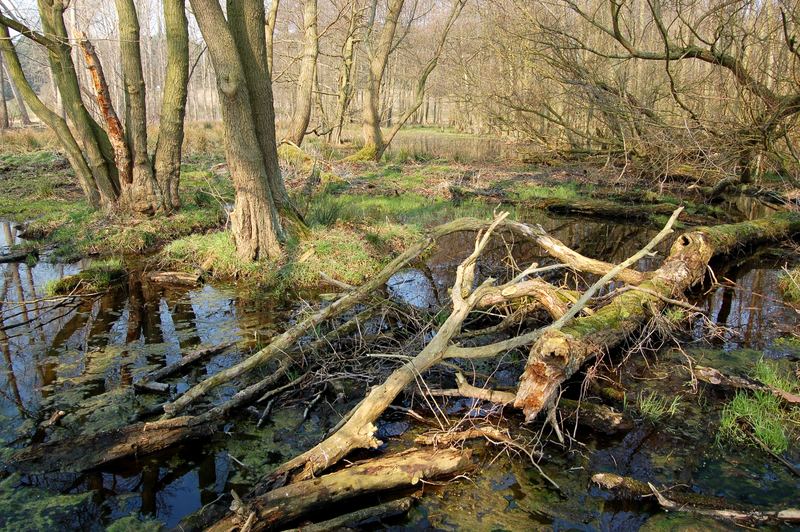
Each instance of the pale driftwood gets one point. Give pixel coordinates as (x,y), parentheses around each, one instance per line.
(716,377)
(359,429)
(473,392)
(151,387)
(288,338)
(790,515)
(444,439)
(558,354)
(288,503)
(181,278)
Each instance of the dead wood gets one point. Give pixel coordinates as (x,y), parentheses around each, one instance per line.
(558,354)
(790,515)
(87,452)
(359,429)
(716,377)
(365,517)
(285,341)
(289,503)
(467,390)
(188,359)
(600,418)
(178,278)
(18,255)
(444,439)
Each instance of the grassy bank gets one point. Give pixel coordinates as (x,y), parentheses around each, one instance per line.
(360,213)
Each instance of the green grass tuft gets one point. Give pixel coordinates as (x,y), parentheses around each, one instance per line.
(761,416)
(789,285)
(97,277)
(653,407)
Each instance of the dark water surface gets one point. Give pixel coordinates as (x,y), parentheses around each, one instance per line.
(82,357)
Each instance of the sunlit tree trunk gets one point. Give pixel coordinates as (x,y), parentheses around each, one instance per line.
(3,108)
(305,82)
(346,75)
(173,105)
(89,135)
(270,32)
(255,223)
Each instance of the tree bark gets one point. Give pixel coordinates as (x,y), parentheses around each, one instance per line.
(96,146)
(282,505)
(173,105)
(246,21)
(3,108)
(557,355)
(270,32)
(256,227)
(144,195)
(346,75)
(305,82)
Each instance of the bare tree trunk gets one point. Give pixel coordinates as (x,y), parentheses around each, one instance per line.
(256,227)
(23,111)
(3,108)
(378,54)
(116,134)
(305,82)
(246,20)
(96,146)
(270,32)
(346,76)
(144,195)
(173,104)
(56,123)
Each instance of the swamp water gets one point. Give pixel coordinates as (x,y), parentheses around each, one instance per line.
(82,357)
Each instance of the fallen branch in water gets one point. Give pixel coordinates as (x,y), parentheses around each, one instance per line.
(289,503)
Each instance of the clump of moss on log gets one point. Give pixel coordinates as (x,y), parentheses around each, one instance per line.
(99,276)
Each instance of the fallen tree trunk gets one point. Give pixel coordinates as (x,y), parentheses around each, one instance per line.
(693,503)
(365,517)
(178,278)
(558,354)
(87,452)
(286,504)
(188,359)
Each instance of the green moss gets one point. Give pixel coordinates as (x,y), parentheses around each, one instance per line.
(96,278)
(567,191)
(28,508)
(368,153)
(135,523)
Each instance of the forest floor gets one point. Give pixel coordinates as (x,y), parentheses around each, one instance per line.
(360,214)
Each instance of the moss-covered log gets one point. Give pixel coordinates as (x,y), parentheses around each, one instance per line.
(288,503)
(558,354)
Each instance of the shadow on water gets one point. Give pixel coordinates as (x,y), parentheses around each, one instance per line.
(82,357)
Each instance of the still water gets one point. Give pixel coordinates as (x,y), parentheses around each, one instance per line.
(81,356)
